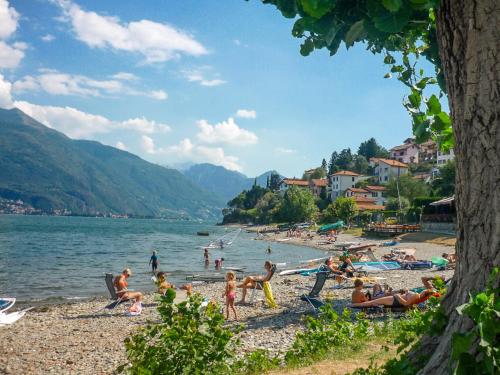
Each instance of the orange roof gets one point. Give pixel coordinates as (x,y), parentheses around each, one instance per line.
(392,163)
(375,188)
(357,190)
(295,181)
(345,173)
(320,182)
(363,199)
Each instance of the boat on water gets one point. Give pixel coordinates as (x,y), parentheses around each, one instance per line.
(203,233)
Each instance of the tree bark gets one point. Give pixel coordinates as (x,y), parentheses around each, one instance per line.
(469,40)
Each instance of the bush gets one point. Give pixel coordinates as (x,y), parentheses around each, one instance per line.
(189,340)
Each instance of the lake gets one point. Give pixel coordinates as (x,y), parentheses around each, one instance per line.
(57,258)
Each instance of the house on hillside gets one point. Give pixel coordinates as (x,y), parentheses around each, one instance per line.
(405,153)
(445,156)
(318,186)
(308,173)
(367,204)
(286,183)
(427,151)
(387,168)
(375,193)
(342,180)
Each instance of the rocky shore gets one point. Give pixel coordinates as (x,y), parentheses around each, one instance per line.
(78,339)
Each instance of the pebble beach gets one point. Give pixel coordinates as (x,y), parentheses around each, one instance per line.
(77,338)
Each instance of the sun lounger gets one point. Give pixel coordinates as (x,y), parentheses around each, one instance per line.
(313,297)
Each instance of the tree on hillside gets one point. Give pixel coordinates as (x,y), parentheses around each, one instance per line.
(332,165)
(360,165)
(298,205)
(274,181)
(317,173)
(408,186)
(343,208)
(460,37)
(324,166)
(444,184)
(345,159)
(370,149)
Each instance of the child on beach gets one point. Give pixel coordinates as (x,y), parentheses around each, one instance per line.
(230,294)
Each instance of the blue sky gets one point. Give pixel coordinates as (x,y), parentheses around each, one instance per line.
(181,81)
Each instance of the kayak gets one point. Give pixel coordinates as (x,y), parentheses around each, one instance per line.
(6,303)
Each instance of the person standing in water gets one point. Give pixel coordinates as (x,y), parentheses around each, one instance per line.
(269,249)
(153,262)
(206,255)
(218,263)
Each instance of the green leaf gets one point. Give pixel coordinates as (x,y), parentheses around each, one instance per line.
(415,98)
(443,120)
(355,33)
(307,47)
(287,7)
(392,5)
(388,75)
(317,8)
(433,105)
(388,59)
(386,21)
(461,343)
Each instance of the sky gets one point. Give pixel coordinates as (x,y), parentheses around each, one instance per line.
(186,81)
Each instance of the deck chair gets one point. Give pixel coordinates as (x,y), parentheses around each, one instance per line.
(112,291)
(312,297)
(260,284)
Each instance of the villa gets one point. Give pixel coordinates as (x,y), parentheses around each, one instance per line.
(318,186)
(445,156)
(286,183)
(375,193)
(405,153)
(343,180)
(387,168)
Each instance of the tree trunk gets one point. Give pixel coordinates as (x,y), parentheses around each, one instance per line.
(469,39)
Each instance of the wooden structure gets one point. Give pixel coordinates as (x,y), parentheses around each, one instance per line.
(389,230)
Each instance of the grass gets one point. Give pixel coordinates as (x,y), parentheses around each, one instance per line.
(345,361)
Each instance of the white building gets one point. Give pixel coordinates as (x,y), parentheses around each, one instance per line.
(387,168)
(375,193)
(445,156)
(406,153)
(343,180)
(286,183)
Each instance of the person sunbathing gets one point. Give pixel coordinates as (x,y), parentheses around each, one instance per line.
(250,282)
(358,296)
(121,286)
(452,258)
(164,285)
(398,300)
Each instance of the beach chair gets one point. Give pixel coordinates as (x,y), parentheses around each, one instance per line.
(112,291)
(313,297)
(260,284)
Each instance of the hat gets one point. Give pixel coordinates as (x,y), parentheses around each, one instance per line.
(127,271)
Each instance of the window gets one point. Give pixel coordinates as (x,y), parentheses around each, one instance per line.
(374,195)
(352,185)
(353,180)
(386,169)
(386,178)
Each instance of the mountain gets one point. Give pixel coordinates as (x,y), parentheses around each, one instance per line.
(221,181)
(50,171)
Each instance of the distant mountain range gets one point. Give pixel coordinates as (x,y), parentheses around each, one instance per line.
(50,172)
(221,181)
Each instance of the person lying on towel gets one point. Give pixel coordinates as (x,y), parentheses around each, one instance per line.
(398,299)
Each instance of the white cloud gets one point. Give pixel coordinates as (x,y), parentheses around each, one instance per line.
(158,95)
(157,42)
(56,83)
(10,56)
(185,150)
(8,19)
(148,145)
(283,150)
(198,75)
(225,132)
(246,113)
(78,124)
(123,76)
(121,146)
(5,93)
(48,38)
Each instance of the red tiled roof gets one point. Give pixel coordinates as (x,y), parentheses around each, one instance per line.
(345,173)
(375,188)
(320,182)
(357,190)
(392,163)
(295,181)
(363,199)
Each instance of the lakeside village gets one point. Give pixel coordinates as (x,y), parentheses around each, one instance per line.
(409,184)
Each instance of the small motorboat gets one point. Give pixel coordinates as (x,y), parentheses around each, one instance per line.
(203,233)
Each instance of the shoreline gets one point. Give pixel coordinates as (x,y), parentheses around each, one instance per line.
(54,338)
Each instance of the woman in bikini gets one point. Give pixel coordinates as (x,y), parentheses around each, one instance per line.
(398,300)
(250,282)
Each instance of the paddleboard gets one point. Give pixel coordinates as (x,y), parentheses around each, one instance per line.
(6,319)
(295,271)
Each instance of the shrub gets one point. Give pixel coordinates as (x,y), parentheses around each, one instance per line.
(189,340)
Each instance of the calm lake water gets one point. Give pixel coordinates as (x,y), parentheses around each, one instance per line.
(54,258)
